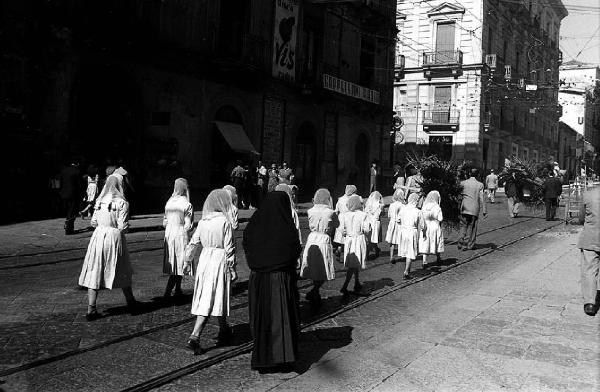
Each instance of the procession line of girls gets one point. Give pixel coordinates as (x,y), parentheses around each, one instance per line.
(272,290)
(413,231)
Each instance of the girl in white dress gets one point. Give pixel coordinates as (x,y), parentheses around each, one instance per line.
(392,236)
(341,208)
(433,242)
(106,264)
(216,267)
(178,220)
(373,208)
(355,225)
(233,212)
(317,258)
(90,195)
(411,223)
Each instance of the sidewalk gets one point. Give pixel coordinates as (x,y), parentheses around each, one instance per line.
(512,321)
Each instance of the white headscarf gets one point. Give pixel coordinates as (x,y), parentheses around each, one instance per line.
(181,189)
(232,193)
(217,202)
(113,189)
(323,197)
(374,202)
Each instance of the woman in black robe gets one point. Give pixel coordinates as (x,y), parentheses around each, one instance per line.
(272,249)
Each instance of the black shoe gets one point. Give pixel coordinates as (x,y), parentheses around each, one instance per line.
(344,291)
(407,276)
(358,287)
(590,309)
(93,315)
(194,345)
(393,261)
(425,266)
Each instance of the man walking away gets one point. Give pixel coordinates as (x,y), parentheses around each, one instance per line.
(491,184)
(238,175)
(589,243)
(472,203)
(514,195)
(374,174)
(552,189)
(70,192)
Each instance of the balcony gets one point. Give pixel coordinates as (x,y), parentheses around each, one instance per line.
(441,118)
(442,62)
(399,65)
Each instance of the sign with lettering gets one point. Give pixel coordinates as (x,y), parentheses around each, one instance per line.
(350,89)
(284,39)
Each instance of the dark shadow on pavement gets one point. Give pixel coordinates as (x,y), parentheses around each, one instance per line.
(489,245)
(445,262)
(316,343)
(146,229)
(149,307)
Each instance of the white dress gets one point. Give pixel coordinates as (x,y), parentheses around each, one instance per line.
(91,190)
(106,263)
(375,234)
(355,226)
(317,258)
(434,243)
(212,280)
(178,220)
(341,208)
(411,223)
(393,231)
(233,216)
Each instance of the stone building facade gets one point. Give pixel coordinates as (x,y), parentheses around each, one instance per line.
(477,80)
(185,88)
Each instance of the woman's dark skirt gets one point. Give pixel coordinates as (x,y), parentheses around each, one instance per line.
(274,318)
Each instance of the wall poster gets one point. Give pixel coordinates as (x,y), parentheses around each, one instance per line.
(284,39)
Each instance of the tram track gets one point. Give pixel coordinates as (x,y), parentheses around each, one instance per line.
(246,347)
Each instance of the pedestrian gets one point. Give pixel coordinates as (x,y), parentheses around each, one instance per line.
(341,208)
(317,258)
(373,208)
(411,225)
(91,193)
(288,191)
(491,184)
(392,236)
(272,250)
(285,174)
(374,177)
(589,243)
(262,180)
(398,174)
(472,204)
(248,187)
(552,189)
(233,211)
(413,185)
(178,221)
(238,179)
(216,268)
(432,243)
(514,195)
(106,264)
(70,188)
(273,178)
(398,184)
(355,226)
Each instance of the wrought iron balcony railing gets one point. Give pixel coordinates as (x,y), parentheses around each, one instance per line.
(442,58)
(441,117)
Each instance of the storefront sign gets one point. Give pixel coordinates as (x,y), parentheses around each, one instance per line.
(284,39)
(350,89)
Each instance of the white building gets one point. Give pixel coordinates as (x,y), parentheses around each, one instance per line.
(462,71)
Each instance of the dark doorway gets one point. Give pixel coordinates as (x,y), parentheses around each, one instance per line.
(222,160)
(305,159)
(361,154)
(441,146)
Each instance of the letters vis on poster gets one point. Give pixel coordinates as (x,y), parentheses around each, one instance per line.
(285,38)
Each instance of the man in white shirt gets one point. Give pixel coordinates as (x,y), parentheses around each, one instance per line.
(491,184)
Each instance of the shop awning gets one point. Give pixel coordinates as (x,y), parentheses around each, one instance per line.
(236,137)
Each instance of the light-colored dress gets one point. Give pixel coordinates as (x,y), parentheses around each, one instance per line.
(178,220)
(411,223)
(392,235)
(296,219)
(374,220)
(92,189)
(341,208)
(233,216)
(434,243)
(317,258)
(212,280)
(356,226)
(106,263)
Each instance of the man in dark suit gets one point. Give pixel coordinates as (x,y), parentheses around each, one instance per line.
(472,204)
(71,193)
(552,189)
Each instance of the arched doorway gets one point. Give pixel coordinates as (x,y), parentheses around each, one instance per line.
(305,159)
(223,157)
(361,159)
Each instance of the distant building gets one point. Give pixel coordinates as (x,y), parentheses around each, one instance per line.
(185,87)
(478,79)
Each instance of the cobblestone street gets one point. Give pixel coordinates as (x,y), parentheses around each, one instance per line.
(505,316)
